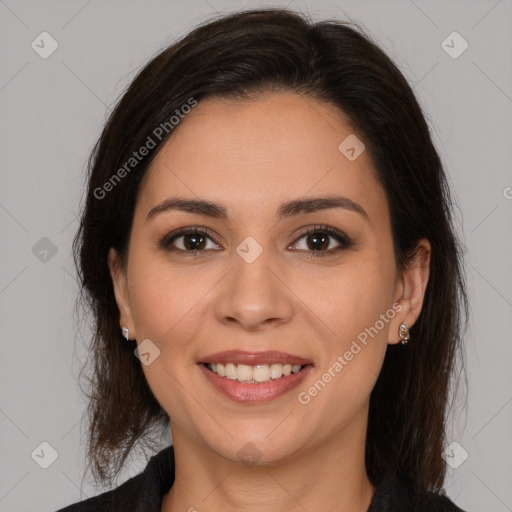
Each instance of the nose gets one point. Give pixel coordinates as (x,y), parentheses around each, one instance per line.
(255,295)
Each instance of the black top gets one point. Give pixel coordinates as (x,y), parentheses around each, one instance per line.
(144,493)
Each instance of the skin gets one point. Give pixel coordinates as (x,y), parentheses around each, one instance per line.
(251,156)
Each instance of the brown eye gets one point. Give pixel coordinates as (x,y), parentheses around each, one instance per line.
(322,240)
(319,241)
(193,241)
(188,240)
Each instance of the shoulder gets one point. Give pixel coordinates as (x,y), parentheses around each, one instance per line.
(393,494)
(124,495)
(430,502)
(142,492)
(433,502)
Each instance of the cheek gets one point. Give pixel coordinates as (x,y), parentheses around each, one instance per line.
(358,309)
(164,304)
(352,355)
(161,296)
(354,299)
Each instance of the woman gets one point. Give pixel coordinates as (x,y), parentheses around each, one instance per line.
(268,229)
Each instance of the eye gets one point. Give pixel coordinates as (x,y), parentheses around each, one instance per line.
(318,241)
(191,239)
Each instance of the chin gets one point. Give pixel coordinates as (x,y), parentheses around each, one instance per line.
(258,450)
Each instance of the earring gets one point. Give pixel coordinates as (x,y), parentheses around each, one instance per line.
(403,332)
(126,333)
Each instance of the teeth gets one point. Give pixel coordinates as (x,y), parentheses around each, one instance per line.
(244,372)
(276,371)
(260,373)
(231,372)
(252,374)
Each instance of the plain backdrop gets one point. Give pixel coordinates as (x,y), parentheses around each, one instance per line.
(52,111)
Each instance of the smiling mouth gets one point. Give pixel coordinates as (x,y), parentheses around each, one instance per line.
(254,374)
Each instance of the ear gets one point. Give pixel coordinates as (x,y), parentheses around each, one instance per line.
(119,282)
(410,291)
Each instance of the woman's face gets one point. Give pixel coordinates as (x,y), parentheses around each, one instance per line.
(257,285)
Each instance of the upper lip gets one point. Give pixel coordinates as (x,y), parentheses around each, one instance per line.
(253,358)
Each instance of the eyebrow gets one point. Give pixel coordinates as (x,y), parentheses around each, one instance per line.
(291,208)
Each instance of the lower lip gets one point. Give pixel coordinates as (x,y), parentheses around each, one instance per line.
(257,392)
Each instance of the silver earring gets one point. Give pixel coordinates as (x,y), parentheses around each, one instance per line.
(126,333)
(403,332)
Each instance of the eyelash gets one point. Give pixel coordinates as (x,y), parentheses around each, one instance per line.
(344,241)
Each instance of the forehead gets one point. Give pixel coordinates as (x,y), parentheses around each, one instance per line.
(250,153)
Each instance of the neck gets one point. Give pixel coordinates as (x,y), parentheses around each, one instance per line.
(330,476)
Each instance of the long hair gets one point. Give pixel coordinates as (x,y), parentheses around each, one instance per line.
(237,56)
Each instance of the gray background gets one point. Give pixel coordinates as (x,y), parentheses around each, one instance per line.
(52,111)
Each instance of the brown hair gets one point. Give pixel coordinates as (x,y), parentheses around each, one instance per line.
(251,52)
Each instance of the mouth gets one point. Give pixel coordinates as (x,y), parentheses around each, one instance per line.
(254,377)
(254,374)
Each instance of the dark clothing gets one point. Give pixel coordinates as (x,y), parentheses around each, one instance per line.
(144,493)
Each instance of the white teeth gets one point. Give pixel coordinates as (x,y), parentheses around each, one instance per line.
(231,372)
(244,372)
(276,371)
(252,374)
(261,373)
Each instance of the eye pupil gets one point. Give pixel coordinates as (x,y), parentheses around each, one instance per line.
(196,238)
(318,240)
